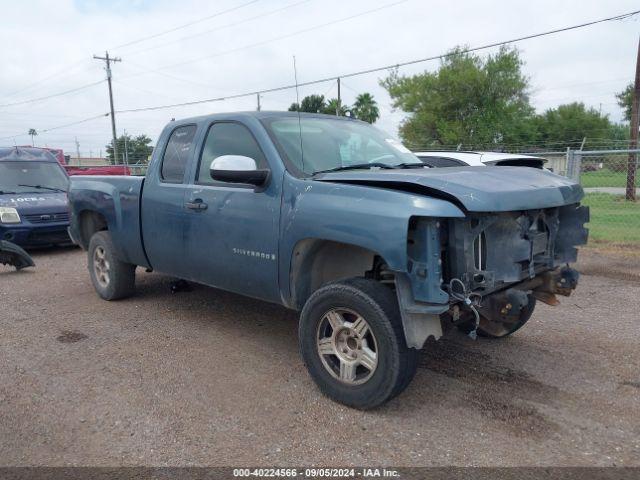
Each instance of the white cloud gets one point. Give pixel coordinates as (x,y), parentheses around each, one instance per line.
(41,38)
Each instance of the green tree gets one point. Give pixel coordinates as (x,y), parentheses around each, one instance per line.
(335,107)
(33,133)
(310,104)
(625,100)
(366,108)
(137,150)
(567,125)
(469,100)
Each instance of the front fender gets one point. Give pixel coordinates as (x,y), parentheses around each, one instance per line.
(376,219)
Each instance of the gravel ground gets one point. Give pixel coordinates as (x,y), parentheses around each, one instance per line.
(211,378)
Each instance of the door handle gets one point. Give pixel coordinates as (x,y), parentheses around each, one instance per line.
(197,204)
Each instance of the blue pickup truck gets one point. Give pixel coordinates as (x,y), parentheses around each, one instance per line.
(33,198)
(331,217)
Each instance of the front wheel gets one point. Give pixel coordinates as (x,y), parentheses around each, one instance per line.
(111,278)
(352,342)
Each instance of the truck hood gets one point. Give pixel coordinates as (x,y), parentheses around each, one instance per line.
(474,189)
(35,203)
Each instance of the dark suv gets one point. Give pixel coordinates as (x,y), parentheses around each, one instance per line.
(33,197)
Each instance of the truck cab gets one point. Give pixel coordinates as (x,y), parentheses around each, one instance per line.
(331,217)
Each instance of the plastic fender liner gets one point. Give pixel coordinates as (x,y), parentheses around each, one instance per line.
(12,254)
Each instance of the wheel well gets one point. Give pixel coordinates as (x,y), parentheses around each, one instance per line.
(318,262)
(90,223)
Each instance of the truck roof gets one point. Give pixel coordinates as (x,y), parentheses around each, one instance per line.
(18,154)
(260,115)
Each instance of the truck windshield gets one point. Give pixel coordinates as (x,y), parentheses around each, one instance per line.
(31,176)
(333,144)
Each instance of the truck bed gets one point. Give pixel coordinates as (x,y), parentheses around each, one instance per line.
(118,198)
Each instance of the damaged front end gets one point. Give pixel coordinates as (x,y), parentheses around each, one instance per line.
(484,272)
(488,252)
(12,254)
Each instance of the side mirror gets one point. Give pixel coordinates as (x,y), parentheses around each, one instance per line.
(238,169)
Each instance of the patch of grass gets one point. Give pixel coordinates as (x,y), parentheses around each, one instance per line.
(613,220)
(604,178)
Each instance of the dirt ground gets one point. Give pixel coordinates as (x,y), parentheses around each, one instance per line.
(210,378)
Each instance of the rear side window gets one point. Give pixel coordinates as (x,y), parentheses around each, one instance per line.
(439,162)
(176,155)
(228,138)
(533,163)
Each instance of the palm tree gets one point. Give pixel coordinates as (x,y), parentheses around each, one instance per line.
(366,108)
(33,133)
(335,107)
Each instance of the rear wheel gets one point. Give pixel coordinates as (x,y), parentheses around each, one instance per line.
(111,278)
(352,342)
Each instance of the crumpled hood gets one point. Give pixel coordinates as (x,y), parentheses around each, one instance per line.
(36,203)
(476,189)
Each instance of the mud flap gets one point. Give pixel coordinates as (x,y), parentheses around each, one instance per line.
(420,321)
(12,254)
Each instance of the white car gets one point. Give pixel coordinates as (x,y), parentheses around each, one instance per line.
(478,159)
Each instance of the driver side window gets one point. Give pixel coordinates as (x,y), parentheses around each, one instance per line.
(227,138)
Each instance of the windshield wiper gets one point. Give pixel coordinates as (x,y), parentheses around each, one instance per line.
(375,165)
(42,187)
(356,166)
(5,192)
(411,165)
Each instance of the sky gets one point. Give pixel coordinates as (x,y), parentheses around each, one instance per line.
(235,46)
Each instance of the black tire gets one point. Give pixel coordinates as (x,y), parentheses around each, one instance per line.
(496,330)
(378,305)
(120,278)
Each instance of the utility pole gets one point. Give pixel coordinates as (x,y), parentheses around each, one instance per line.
(258,97)
(78,151)
(108,61)
(339,99)
(633,143)
(126,150)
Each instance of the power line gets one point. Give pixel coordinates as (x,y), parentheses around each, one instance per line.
(85,120)
(387,67)
(66,92)
(57,127)
(49,77)
(281,37)
(582,84)
(31,115)
(72,66)
(143,90)
(604,93)
(188,24)
(143,70)
(217,29)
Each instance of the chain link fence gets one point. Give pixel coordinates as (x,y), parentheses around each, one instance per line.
(615,211)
